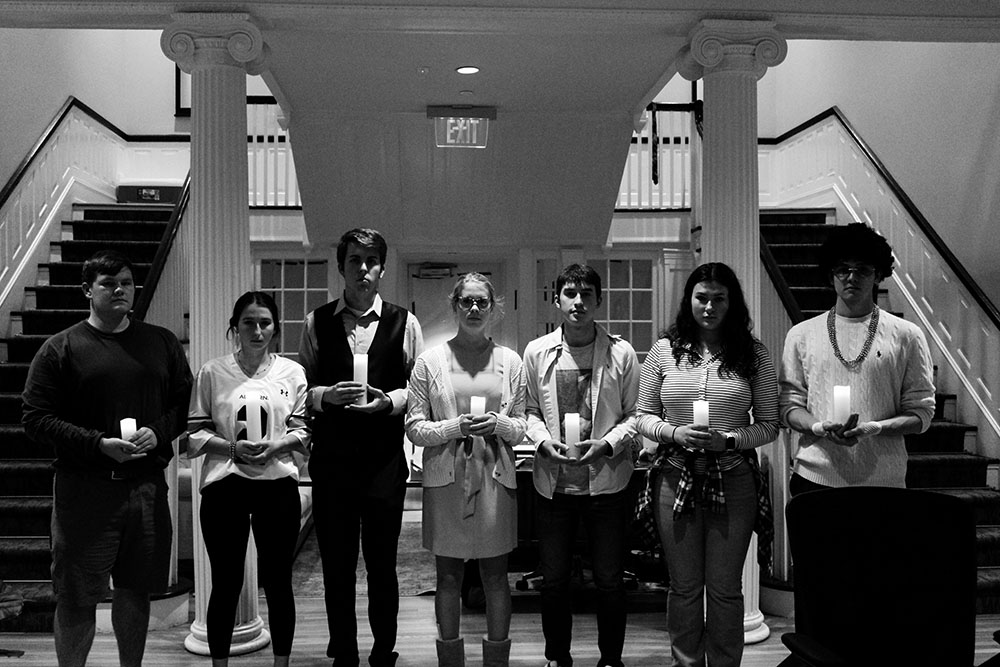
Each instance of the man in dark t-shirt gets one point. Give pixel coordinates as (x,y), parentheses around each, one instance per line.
(108,394)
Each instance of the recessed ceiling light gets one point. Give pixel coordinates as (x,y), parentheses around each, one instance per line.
(468,69)
(466,93)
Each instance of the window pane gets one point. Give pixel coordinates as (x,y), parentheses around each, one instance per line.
(619,329)
(642,305)
(618,274)
(294,278)
(618,305)
(642,274)
(314,300)
(295,306)
(270,274)
(290,335)
(316,275)
(642,337)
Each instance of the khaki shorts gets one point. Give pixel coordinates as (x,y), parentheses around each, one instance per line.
(104,528)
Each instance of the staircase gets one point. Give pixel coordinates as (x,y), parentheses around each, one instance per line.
(26,467)
(939,459)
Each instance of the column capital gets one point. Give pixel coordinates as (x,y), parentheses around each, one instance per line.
(732,46)
(210,38)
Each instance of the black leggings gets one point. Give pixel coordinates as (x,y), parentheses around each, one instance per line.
(228,508)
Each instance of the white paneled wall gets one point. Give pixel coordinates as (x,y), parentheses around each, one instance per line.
(824,166)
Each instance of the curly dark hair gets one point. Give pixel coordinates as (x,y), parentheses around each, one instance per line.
(739,356)
(859,242)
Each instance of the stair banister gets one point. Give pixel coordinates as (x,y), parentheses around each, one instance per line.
(160,260)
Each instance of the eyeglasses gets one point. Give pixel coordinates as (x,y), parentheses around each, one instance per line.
(467,302)
(863,271)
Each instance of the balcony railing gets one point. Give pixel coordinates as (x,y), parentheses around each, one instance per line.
(658,171)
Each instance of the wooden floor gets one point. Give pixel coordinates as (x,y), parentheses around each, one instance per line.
(646,643)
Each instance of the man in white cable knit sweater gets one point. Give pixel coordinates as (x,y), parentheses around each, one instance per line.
(883,359)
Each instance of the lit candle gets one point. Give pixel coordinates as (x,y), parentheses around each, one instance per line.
(361,375)
(841,403)
(477,405)
(573,434)
(701,413)
(128,428)
(254,433)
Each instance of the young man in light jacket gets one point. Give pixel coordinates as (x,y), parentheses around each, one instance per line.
(583,372)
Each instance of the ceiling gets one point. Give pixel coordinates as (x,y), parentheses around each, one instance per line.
(568,79)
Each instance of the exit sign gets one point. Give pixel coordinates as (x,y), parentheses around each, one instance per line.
(461,127)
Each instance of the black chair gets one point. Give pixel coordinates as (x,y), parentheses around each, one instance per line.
(882,577)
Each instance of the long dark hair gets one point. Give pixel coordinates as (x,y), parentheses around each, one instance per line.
(738,354)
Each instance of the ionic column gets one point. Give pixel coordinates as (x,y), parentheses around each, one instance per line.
(732,56)
(217,50)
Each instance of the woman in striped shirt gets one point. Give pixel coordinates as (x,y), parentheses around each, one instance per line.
(705,492)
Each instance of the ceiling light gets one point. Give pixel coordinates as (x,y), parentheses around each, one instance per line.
(468,69)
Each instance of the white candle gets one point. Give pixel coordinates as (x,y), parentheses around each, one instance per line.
(701,413)
(573,434)
(841,403)
(361,375)
(254,431)
(128,428)
(477,405)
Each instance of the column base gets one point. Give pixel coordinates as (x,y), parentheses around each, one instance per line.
(755,629)
(247,638)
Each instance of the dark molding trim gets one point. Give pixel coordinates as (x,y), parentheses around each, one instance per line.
(50,130)
(925,226)
(162,252)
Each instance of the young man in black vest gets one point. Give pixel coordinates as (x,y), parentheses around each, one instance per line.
(357,464)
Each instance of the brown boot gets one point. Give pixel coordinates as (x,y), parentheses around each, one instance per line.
(496,654)
(451,652)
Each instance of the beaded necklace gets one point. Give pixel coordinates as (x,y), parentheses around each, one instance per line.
(831,328)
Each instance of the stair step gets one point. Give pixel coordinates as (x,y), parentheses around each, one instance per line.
(25,558)
(795,216)
(795,233)
(10,407)
(26,516)
(80,251)
(942,436)
(15,444)
(50,321)
(71,273)
(22,348)
(988,590)
(946,470)
(123,211)
(39,606)
(26,477)
(59,297)
(115,230)
(794,253)
(988,546)
(13,376)
(945,407)
(985,502)
(814,298)
(803,275)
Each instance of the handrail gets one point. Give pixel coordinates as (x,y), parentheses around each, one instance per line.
(162,252)
(925,226)
(779,282)
(50,130)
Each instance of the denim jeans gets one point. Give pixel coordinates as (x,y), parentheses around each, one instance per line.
(705,553)
(606,519)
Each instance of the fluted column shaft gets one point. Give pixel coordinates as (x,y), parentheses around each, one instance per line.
(217,50)
(732,56)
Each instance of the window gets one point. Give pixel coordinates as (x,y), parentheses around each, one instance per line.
(299,287)
(627,308)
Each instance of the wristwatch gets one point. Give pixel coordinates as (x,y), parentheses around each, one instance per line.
(730,443)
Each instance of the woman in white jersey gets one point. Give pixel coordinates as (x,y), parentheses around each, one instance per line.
(247,419)
(465,407)
(708,396)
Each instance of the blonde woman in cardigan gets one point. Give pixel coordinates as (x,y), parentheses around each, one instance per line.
(466,409)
